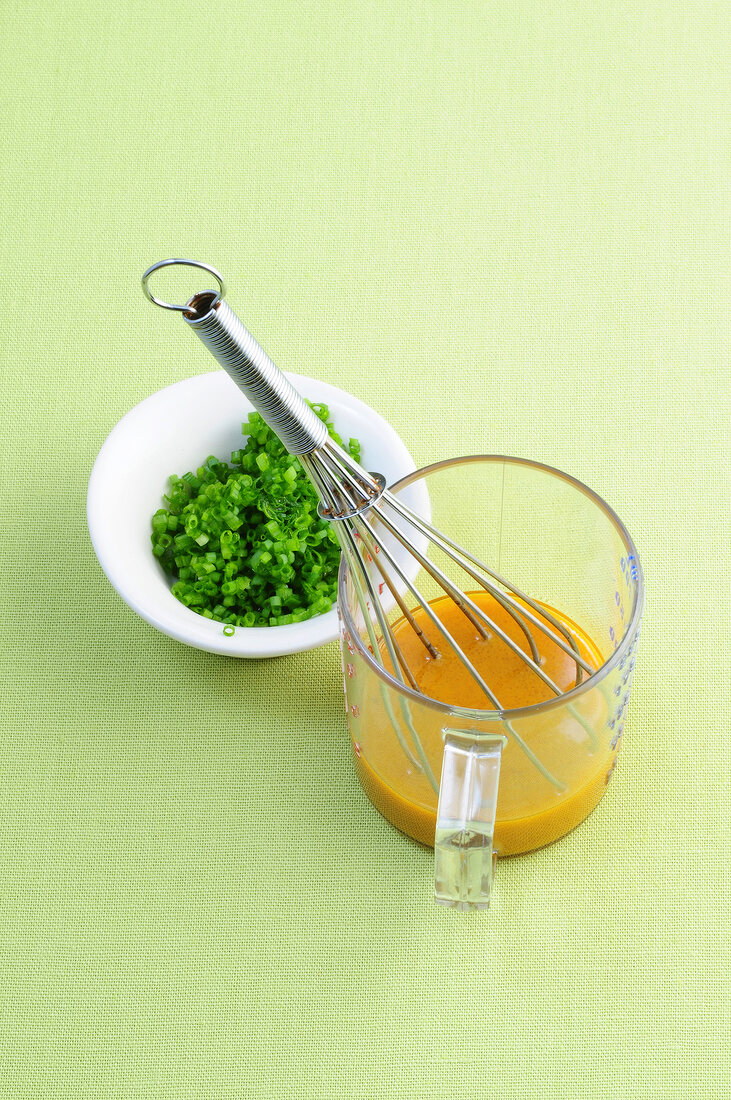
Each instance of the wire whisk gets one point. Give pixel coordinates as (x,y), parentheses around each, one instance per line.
(371,523)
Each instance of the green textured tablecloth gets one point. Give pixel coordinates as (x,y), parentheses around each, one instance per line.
(502,225)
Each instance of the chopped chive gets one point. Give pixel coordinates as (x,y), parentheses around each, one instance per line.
(243,541)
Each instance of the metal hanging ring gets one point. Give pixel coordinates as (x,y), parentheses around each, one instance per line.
(188,263)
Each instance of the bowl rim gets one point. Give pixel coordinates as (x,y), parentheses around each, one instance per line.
(202,633)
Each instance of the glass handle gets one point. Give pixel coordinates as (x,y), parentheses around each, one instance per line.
(463,845)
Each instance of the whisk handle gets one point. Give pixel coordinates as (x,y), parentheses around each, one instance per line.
(270,392)
(285,411)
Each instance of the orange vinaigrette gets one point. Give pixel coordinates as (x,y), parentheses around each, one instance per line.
(537,804)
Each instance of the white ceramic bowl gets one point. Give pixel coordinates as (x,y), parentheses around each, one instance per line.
(173,431)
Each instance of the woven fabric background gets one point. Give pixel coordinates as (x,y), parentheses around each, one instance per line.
(505,227)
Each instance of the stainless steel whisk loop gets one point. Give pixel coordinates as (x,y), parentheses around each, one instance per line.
(352,498)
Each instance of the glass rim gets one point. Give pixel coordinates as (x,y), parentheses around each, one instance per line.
(509,714)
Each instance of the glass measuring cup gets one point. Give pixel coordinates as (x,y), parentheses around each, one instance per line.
(477,784)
